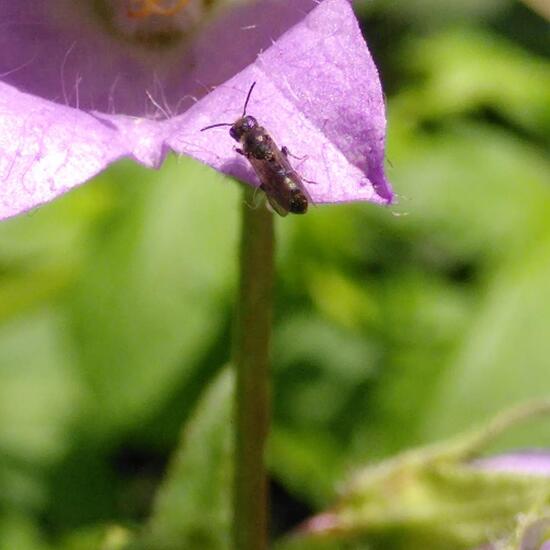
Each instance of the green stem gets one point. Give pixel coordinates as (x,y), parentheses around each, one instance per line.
(251,361)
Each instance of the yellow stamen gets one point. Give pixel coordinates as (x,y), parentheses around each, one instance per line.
(146,8)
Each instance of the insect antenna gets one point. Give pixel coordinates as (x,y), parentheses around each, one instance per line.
(216,125)
(220,124)
(248,97)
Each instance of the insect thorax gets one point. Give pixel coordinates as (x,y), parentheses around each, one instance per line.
(257,144)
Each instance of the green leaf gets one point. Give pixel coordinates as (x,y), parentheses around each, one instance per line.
(40,395)
(148,303)
(97,537)
(467,70)
(431,497)
(504,357)
(479,203)
(431,13)
(192,509)
(18,532)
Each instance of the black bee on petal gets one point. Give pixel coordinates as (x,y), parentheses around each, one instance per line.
(282,185)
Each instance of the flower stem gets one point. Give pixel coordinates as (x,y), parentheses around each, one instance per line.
(251,361)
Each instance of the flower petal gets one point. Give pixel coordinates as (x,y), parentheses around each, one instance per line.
(89,55)
(47,148)
(318,93)
(531,462)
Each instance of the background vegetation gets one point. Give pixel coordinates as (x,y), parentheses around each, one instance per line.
(390,331)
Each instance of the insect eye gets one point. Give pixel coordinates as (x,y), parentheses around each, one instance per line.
(233,133)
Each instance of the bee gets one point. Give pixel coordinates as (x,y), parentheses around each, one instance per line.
(281,184)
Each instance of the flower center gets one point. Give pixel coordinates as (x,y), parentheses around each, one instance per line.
(144,8)
(153,24)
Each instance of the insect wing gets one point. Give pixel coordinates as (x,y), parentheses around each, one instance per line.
(294,179)
(280,183)
(272,203)
(272,180)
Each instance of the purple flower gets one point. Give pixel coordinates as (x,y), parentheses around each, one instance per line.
(528,463)
(84,84)
(433,492)
(534,531)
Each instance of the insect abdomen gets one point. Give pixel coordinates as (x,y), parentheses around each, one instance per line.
(298,202)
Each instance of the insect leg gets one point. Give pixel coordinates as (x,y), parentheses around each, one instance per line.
(255,201)
(308,181)
(287,153)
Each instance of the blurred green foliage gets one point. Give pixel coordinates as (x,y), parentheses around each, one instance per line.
(390,331)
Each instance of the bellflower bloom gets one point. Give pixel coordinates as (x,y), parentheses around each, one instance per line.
(83,84)
(443,494)
(501,499)
(533,532)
